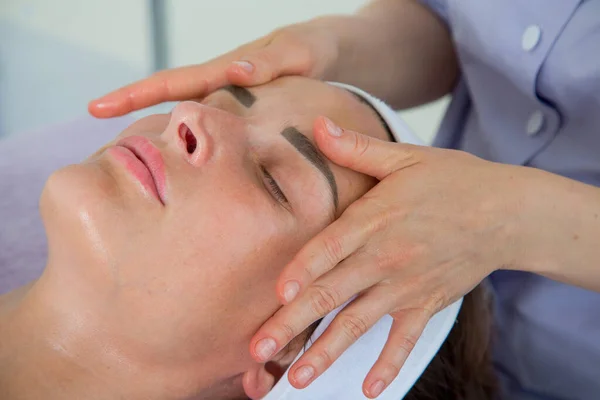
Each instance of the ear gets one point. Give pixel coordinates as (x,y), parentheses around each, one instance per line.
(260,379)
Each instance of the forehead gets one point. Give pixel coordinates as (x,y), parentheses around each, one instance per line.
(299,101)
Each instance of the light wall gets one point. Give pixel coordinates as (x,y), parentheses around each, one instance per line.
(56,55)
(199,30)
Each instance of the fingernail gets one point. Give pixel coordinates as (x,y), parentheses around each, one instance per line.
(265,348)
(304,374)
(290,290)
(245,65)
(332,128)
(102,105)
(376,388)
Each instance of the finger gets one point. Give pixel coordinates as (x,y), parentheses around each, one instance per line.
(328,293)
(170,85)
(363,153)
(406,330)
(346,328)
(323,252)
(279,57)
(249,65)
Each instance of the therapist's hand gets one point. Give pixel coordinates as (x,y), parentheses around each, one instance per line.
(308,49)
(438,222)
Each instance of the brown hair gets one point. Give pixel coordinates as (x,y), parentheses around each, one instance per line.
(462,369)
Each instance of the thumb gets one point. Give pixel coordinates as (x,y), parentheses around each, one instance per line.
(277,58)
(363,153)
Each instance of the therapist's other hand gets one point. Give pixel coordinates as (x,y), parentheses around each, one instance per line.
(437,223)
(308,49)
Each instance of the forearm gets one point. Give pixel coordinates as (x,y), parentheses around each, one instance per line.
(398,50)
(562,230)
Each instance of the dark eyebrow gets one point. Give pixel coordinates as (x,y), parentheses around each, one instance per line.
(310,152)
(241,94)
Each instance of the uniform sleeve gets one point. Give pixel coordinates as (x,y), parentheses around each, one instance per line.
(440,7)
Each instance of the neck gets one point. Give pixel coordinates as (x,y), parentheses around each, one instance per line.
(33,363)
(50,349)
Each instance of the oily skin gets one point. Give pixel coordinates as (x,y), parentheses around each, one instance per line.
(142,299)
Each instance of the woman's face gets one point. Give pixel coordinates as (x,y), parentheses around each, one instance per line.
(182,272)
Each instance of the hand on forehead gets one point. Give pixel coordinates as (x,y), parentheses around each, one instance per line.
(297,102)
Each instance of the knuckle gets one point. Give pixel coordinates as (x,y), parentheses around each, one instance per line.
(288,332)
(381,219)
(407,343)
(324,359)
(353,326)
(437,301)
(356,209)
(380,213)
(370,213)
(262,58)
(383,260)
(333,249)
(362,145)
(291,36)
(387,259)
(323,299)
(407,254)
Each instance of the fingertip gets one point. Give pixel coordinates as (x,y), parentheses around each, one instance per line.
(302,376)
(264,349)
(290,291)
(288,286)
(320,126)
(327,135)
(91,107)
(373,389)
(245,66)
(100,108)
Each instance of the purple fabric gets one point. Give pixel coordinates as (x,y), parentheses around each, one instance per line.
(26,161)
(548,333)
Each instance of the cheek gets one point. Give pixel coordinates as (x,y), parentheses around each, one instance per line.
(222,253)
(228,234)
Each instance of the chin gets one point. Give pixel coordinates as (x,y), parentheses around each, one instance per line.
(75,207)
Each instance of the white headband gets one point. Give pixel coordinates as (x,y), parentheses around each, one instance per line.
(343,380)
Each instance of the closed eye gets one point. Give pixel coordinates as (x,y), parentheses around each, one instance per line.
(274,188)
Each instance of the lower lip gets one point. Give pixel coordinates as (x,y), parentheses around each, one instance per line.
(137,168)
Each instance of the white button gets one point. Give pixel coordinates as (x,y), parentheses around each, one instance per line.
(531,37)
(535,123)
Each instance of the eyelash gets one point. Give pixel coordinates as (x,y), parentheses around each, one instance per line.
(274,187)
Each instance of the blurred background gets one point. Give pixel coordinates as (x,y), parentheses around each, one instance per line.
(57,55)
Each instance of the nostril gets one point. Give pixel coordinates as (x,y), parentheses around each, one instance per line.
(188,138)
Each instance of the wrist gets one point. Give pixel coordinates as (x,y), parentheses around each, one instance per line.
(339,32)
(399,51)
(558,226)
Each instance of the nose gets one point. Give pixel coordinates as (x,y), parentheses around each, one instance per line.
(187,132)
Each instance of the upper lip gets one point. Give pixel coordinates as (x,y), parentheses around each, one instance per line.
(150,156)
